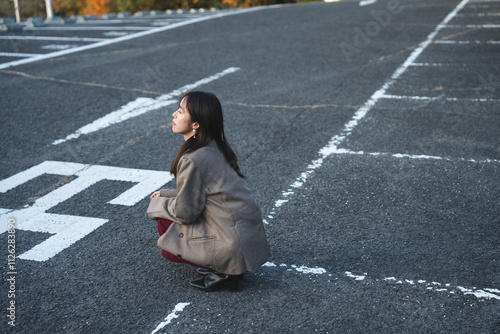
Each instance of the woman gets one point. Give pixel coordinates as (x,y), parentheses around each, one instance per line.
(211,220)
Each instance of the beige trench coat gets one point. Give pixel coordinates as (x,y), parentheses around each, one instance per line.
(218,223)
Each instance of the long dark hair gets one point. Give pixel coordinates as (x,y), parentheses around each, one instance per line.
(205,108)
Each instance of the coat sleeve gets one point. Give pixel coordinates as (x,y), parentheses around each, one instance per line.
(168,192)
(189,203)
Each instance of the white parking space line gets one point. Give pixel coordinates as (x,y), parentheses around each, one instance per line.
(417,156)
(466,42)
(19,55)
(88,28)
(116,33)
(57,46)
(52,38)
(178,308)
(141,106)
(483,293)
(130,36)
(437,98)
(432,64)
(335,141)
(475,26)
(137,20)
(367,2)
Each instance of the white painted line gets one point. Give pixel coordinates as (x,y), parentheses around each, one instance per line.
(432,64)
(68,229)
(367,2)
(131,36)
(141,106)
(89,28)
(416,156)
(178,308)
(52,38)
(58,46)
(484,293)
(308,270)
(473,14)
(437,98)
(475,26)
(19,55)
(136,20)
(335,141)
(482,6)
(301,269)
(115,33)
(55,168)
(480,293)
(440,287)
(467,42)
(488,14)
(356,277)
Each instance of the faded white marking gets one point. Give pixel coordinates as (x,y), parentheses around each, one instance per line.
(178,308)
(484,293)
(115,33)
(481,14)
(57,46)
(356,277)
(415,156)
(68,229)
(437,98)
(269,264)
(476,26)
(440,287)
(479,293)
(301,269)
(308,270)
(367,2)
(467,42)
(90,28)
(19,55)
(52,38)
(141,106)
(430,64)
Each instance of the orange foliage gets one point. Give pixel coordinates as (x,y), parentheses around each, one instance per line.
(232,3)
(96,7)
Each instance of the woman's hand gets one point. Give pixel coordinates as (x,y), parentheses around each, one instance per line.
(155,194)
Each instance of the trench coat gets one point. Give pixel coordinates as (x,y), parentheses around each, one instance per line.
(217,222)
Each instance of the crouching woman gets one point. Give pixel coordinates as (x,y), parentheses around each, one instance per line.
(211,220)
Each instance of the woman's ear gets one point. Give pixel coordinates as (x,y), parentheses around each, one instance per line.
(196,125)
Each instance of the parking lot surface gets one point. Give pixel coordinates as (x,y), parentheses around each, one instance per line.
(369,131)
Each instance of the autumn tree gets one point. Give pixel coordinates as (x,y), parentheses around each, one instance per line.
(96,7)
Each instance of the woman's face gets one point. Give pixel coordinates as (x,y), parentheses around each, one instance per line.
(182,121)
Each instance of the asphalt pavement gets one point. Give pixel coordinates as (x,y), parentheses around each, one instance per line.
(369,131)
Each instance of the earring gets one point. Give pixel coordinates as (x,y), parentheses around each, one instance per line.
(194,136)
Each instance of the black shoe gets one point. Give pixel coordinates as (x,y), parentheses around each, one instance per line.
(213,281)
(204,272)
